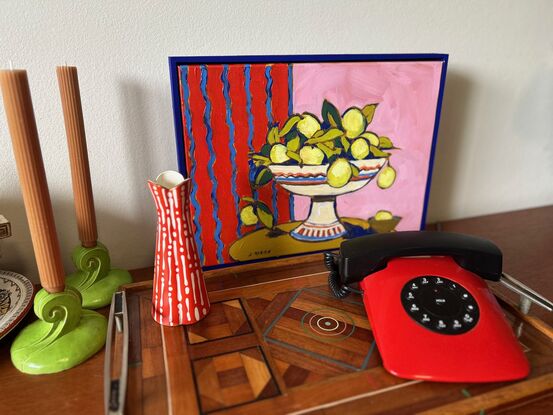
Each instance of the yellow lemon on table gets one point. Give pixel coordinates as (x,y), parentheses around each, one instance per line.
(308,125)
(354,122)
(386,177)
(248,216)
(339,173)
(278,154)
(311,155)
(360,149)
(383,215)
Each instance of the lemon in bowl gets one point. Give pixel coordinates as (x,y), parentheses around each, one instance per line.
(354,122)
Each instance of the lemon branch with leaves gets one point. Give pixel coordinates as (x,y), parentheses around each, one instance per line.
(255,211)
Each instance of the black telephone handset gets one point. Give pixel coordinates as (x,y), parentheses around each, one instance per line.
(429,307)
(362,256)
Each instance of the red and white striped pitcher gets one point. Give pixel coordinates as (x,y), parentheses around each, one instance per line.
(179,295)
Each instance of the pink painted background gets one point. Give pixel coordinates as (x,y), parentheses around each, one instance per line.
(407,94)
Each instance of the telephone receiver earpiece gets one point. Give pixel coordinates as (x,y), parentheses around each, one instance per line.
(363,256)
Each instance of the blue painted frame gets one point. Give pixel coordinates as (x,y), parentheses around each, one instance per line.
(175,61)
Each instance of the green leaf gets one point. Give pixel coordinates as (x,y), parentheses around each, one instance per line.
(386,143)
(248,199)
(290,135)
(368,112)
(265,215)
(260,157)
(345,142)
(293,144)
(327,136)
(354,170)
(266,150)
(272,136)
(330,114)
(292,121)
(260,160)
(327,150)
(318,133)
(293,156)
(263,177)
(375,151)
(333,158)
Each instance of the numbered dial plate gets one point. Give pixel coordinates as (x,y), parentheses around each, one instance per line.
(440,304)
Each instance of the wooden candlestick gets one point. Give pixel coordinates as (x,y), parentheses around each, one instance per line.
(76,140)
(26,148)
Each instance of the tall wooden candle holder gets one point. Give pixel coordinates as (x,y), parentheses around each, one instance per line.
(65,334)
(94,278)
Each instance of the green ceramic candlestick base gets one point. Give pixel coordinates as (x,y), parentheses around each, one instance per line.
(65,336)
(94,279)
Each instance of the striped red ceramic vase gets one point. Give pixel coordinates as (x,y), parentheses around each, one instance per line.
(179,295)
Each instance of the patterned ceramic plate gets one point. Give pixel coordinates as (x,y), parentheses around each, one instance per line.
(16,293)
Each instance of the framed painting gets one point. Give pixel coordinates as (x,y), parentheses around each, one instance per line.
(293,154)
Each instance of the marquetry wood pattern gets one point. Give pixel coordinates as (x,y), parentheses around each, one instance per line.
(232,379)
(524,237)
(314,336)
(225,319)
(282,364)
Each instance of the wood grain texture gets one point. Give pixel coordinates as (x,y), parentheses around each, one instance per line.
(537,323)
(369,391)
(525,237)
(322,374)
(225,319)
(232,379)
(32,177)
(496,398)
(68,82)
(180,381)
(266,352)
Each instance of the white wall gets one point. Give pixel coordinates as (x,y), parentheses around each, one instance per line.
(495,150)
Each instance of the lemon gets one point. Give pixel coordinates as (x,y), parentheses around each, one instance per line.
(278,154)
(383,215)
(386,177)
(354,122)
(311,155)
(308,125)
(248,216)
(360,149)
(339,173)
(373,138)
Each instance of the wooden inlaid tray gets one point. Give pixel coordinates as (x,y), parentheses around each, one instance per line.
(289,346)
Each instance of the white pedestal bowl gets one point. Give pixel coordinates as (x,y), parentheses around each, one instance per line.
(322,223)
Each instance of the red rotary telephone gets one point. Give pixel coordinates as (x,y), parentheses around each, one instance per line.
(432,314)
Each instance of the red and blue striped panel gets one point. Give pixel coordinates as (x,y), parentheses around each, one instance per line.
(227,111)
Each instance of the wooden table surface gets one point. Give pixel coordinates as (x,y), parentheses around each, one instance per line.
(525,237)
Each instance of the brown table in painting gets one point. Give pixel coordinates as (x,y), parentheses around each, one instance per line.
(258,351)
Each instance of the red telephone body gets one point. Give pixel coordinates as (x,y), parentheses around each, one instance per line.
(431,312)
(487,352)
